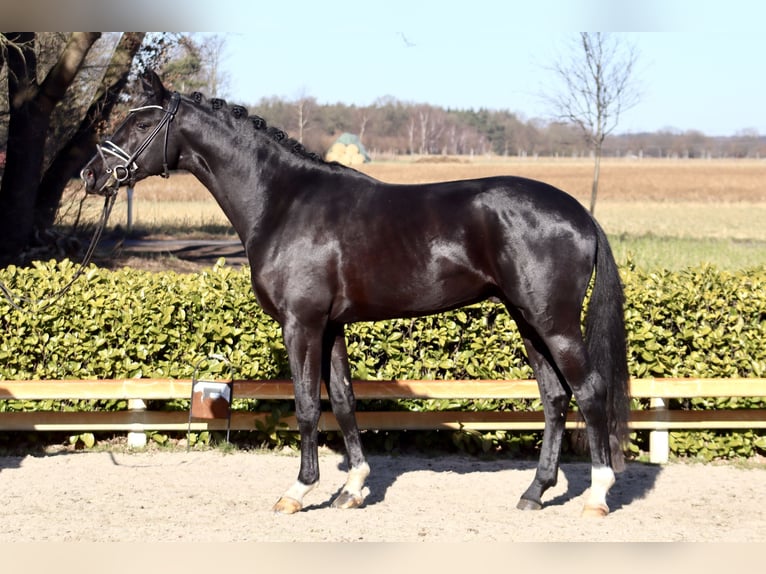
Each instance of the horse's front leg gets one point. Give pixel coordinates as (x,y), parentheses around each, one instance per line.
(304,350)
(335,370)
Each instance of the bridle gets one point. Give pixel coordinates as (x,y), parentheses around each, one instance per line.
(125,171)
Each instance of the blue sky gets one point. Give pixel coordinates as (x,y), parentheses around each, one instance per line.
(693,72)
(701,62)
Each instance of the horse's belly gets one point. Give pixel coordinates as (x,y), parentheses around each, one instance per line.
(393,296)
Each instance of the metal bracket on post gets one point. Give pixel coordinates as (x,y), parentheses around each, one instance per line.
(211,399)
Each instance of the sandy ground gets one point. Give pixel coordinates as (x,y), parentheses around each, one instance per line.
(214,496)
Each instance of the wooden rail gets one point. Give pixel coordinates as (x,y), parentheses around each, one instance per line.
(137,419)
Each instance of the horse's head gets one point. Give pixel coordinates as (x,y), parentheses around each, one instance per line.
(140,147)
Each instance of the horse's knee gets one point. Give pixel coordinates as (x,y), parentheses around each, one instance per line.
(307,414)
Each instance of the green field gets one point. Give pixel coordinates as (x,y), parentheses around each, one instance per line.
(675,253)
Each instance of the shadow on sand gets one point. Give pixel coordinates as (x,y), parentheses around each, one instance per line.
(634,483)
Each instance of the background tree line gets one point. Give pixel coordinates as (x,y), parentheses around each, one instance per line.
(392,127)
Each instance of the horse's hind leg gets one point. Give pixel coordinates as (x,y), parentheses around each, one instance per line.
(562,365)
(589,388)
(555,396)
(336,372)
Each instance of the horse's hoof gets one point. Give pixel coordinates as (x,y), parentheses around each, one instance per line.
(286,505)
(347,500)
(598,511)
(526,504)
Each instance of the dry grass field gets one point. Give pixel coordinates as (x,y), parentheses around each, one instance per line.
(623,180)
(702,204)
(665,198)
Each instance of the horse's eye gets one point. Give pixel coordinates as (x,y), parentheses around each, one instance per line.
(142,126)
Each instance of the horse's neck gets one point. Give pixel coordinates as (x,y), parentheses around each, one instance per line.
(241,189)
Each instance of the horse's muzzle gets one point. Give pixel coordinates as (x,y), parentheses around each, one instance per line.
(109,187)
(89,178)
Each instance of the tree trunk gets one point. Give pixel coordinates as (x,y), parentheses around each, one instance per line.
(30,110)
(81,146)
(596,174)
(16,206)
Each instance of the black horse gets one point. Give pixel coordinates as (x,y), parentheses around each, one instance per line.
(328,245)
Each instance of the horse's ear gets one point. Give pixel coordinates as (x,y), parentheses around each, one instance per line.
(153,88)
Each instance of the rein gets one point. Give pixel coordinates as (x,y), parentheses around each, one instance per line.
(47,302)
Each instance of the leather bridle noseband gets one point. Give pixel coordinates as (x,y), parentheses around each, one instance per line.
(124,172)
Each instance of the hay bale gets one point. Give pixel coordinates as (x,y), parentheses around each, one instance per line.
(355,159)
(347,151)
(338,148)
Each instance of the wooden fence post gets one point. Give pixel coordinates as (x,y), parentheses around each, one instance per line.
(130,210)
(659,445)
(137,436)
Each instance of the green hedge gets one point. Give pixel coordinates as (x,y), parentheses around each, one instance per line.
(701,322)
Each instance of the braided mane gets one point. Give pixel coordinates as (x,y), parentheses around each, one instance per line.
(237,115)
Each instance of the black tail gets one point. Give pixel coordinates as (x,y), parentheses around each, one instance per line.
(607,346)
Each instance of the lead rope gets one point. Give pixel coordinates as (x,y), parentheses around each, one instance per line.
(48,301)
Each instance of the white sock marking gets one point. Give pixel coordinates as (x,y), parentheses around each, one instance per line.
(601,480)
(356,478)
(298,490)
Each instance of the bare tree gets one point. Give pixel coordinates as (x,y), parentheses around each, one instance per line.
(303,108)
(363,116)
(211,50)
(431,123)
(411,135)
(596,86)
